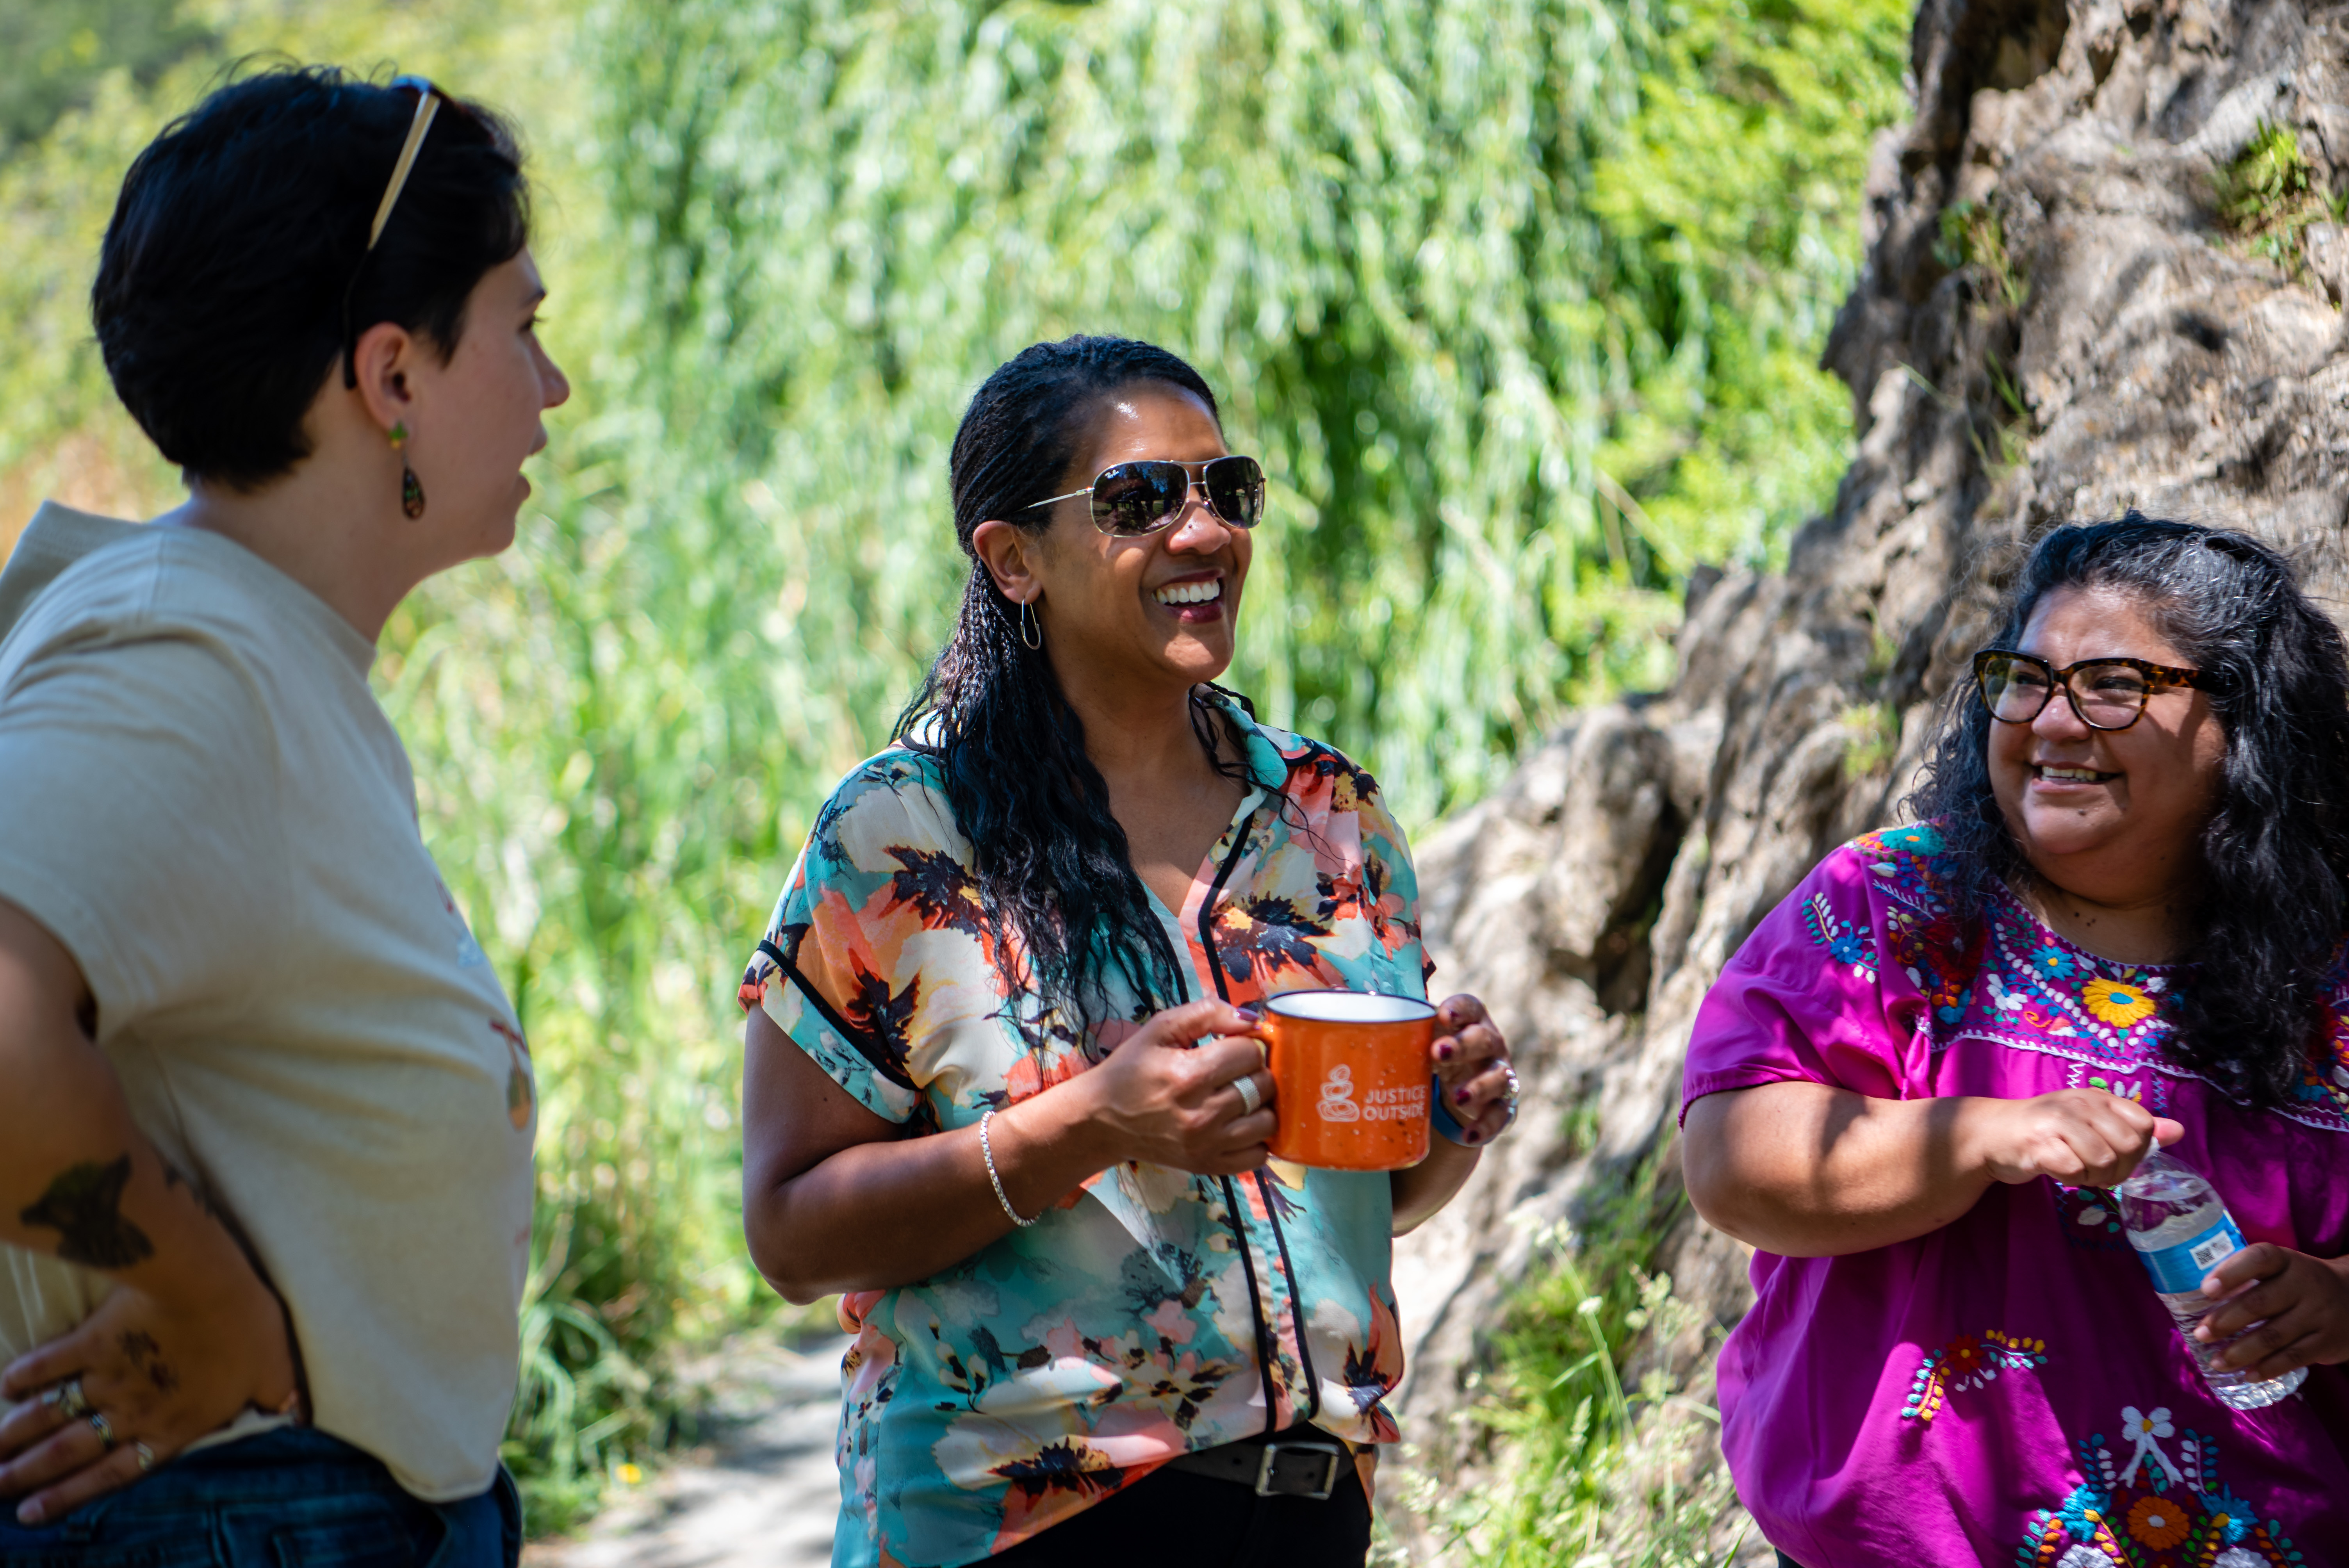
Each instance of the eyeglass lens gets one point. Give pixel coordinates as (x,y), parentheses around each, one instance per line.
(2106,696)
(1143,497)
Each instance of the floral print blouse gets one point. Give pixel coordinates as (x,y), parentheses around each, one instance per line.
(1152,1312)
(2008,1390)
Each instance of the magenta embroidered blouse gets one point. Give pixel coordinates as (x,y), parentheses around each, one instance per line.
(2008,1390)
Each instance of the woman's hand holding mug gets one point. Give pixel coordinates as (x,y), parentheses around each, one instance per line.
(1473,1071)
(1172,1096)
(1191,1090)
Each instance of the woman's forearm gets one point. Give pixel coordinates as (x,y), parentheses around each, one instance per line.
(1420,1189)
(1804,1170)
(836,1198)
(78,1180)
(878,1215)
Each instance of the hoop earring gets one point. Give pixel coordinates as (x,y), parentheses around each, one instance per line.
(1030,632)
(412,489)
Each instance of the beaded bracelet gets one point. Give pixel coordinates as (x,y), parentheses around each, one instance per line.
(988,1149)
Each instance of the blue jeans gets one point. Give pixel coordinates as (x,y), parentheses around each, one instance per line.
(294,1497)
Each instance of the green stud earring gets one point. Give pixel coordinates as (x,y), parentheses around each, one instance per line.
(412,489)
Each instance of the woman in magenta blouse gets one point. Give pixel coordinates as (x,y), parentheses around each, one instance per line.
(2116,925)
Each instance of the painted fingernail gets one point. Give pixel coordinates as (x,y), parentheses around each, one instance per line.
(1460,1097)
(1443,1051)
(1473,1136)
(1251,1015)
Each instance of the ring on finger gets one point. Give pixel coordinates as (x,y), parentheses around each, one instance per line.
(67,1399)
(1510,1098)
(144,1455)
(1251,1097)
(104,1428)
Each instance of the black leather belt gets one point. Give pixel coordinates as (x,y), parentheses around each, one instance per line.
(1284,1467)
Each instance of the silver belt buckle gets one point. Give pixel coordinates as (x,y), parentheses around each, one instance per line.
(1332,1452)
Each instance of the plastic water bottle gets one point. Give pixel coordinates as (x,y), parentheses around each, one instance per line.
(2182,1231)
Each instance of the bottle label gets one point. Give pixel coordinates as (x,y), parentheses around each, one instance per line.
(2180,1267)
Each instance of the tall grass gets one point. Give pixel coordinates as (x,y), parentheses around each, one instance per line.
(1519,300)
(1595,1414)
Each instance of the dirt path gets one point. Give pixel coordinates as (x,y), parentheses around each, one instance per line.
(762,1493)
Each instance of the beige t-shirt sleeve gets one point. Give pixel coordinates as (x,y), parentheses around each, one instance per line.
(139,820)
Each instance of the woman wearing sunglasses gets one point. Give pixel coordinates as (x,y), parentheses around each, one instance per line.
(1000,1090)
(2116,925)
(265,1114)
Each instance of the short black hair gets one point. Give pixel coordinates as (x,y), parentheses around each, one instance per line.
(220,286)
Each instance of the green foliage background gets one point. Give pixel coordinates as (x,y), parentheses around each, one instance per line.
(1518,300)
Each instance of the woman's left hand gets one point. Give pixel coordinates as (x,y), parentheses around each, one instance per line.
(134,1385)
(1473,1071)
(2300,1303)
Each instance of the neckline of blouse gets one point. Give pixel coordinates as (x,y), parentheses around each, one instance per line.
(2049,935)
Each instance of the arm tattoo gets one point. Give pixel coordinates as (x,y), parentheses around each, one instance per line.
(139,1348)
(85,1207)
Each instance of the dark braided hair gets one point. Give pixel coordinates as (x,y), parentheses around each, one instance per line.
(2275,853)
(1052,864)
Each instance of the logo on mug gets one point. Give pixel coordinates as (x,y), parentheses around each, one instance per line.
(1337,1096)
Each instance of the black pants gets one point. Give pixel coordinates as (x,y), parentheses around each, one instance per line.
(1173,1519)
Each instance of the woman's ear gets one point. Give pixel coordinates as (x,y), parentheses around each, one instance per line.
(1010,557)
(381,359)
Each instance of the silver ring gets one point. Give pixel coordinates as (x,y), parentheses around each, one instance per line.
(104,1428)
(1510,1100)
(1251,1097)
(68,1400)
(145,1456)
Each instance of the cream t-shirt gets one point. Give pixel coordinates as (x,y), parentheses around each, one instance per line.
(202,800)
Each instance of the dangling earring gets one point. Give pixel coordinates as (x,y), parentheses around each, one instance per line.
(1030,632)
(412,489)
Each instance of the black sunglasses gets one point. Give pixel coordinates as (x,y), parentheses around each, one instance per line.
(2106,694)
(1135,498)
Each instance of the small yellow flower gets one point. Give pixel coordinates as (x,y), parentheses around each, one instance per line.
(2117,1002)
(630,1475)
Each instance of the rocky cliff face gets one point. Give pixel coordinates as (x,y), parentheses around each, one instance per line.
(2097,279)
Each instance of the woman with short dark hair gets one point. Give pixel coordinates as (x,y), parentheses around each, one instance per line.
(265,1110)
(2117,924)
(999,1091)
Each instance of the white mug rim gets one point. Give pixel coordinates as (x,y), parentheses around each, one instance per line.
(1398,1009)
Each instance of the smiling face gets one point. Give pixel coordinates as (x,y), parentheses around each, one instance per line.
(1133,614)
(480,415)
(2108,816)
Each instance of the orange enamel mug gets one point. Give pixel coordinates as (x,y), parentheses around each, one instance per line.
(1349,1073)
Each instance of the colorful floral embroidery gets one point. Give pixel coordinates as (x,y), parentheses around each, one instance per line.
(2088,1218)
(2160,1521)
(2001,1007)
(1846,942)
(2054,963)
(1967,1362)
(2023,986)
(1920,932)
(2116,1001)
(2154,1511)
(2324,1083)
